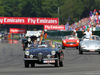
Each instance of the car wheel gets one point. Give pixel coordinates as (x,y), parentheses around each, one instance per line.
(80,51)
(63,47)
(77,47)
(57,62)
(26,63)
(99,52)
(32,64)
(61,63)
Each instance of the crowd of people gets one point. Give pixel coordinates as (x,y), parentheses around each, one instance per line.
(92,22)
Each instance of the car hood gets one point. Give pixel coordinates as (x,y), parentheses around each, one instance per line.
(44,51)
(92,43)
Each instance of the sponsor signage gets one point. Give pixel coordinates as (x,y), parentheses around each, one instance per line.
(29,21)
(17,30)
(54,27)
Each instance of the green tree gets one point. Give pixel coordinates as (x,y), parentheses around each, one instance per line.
(2,11)
(76,9)
(12,8)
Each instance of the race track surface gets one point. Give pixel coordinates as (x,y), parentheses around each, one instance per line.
(11,62)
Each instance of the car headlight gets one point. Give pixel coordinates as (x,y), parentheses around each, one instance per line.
(31,56)
(83,45)
(53,52)
(26,52)
(48,55)
(29,39)
(64,41)
(77,41)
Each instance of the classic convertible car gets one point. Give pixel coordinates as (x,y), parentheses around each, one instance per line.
(89,44)
(48,52)
(70,41)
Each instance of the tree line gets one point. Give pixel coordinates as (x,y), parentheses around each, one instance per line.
(69,10)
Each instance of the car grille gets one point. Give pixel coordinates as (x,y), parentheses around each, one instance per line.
(71,43)
(36,56)
(40,56)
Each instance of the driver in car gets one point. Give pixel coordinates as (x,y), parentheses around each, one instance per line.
(74,33)
(51,45)
(35,43)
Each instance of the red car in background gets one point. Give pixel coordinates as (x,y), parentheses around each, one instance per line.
(70,41)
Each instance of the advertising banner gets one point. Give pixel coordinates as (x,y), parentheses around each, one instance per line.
(54,27)
(28,21)
(17,30)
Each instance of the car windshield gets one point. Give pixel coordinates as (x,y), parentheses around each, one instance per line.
(70,37)
(92,38)
(43,44)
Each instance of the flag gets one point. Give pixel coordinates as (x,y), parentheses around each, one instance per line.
(89,25)
(94,10)
(67,26)
(90,13)
(84,27)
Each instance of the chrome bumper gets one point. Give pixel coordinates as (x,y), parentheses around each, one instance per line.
(85,50)
(42,59)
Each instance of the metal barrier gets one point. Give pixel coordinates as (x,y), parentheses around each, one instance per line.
(65,33)
(54,37)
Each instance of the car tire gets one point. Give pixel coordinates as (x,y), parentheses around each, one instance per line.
(99,52)
(61,63)
(32,64)
(57,62)
(26,63)
(77,47)
(80,51)
(63,47)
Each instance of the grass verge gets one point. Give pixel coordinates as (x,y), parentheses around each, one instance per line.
(60,41)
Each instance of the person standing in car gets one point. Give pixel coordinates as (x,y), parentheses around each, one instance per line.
(88,33)
(74,33)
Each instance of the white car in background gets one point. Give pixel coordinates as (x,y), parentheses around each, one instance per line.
(89,45)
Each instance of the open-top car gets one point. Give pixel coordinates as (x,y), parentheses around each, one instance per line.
(48,52)
(89,44)
(70,41)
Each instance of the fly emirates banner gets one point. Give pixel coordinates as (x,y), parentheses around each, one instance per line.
(28,21)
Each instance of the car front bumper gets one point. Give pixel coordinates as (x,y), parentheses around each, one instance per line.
(43,61)
(91,50)
(70,45)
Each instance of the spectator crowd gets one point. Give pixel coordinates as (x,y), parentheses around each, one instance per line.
(92,22)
